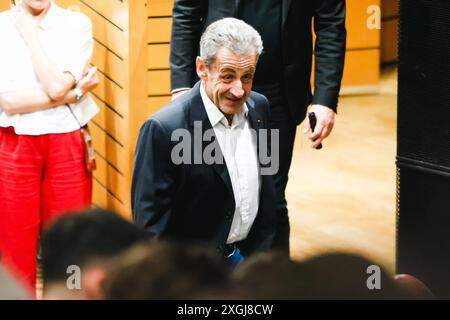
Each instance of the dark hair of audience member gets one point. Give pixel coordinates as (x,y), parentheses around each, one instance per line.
(330,276)
(166,270)
(83,238)
(412,288)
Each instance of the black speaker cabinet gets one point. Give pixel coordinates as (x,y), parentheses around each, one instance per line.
(423,155)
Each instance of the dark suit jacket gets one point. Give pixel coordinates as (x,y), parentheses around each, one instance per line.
(193,202)
(190,18)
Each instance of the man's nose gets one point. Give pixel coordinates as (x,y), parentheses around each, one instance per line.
(236,89)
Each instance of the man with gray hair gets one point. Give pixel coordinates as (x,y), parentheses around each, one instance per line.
(284,70)
(200,171)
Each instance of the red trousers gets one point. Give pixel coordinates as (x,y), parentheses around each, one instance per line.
(41,177)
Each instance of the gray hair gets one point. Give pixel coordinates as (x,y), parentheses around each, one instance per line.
(232,34)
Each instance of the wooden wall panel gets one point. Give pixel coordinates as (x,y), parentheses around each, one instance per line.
(389,8)
(110,177)
(106,33)
(113,123)
(362,44)
(158,38)
(112,93)
(104,198)
(108,147)
(362,70)
(160,8)
(114,11)
(389,40)
(159,29)
(158,56)
(158,102)
(158,82)
(120,53)
(389,31)
(5,4)
(105,59)
(358,35)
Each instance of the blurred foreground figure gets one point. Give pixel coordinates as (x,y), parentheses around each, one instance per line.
(412,288)
(77,251)
(10,289)
(162,270)
(331,276)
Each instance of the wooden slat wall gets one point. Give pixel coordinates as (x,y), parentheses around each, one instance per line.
(158,32)
(110,178)
(362,70)
(389,31)
(5,4)
(120,53)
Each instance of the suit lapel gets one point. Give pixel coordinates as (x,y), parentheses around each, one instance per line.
(255,123)
(199,115)
(285,10)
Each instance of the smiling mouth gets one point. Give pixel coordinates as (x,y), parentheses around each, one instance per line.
(234,99)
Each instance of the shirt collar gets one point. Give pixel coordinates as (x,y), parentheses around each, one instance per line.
(216,116)
(50,17)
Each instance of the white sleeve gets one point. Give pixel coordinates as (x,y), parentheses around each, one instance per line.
(78,48)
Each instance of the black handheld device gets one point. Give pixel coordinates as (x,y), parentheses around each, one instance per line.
(312,123)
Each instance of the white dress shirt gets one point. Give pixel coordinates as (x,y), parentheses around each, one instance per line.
(66,37)
(238,147)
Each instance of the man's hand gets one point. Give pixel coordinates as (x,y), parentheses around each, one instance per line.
(325,122)
(89,80)
(179,94)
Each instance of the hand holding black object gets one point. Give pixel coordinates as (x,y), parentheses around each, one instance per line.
(312,124)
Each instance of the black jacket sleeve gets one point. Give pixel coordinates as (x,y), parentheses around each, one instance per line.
(187,21)
(329,26)
(153,179)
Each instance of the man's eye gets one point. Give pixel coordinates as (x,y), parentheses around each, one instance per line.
(228,77)
(247,77)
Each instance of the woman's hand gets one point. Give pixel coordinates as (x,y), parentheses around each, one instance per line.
(89,81)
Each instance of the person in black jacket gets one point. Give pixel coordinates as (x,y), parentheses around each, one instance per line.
(200,174)
(284,69)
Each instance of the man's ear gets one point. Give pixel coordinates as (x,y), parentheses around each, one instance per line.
(92,282)
(201,68)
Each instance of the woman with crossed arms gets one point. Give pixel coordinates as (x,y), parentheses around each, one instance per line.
(43,166)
